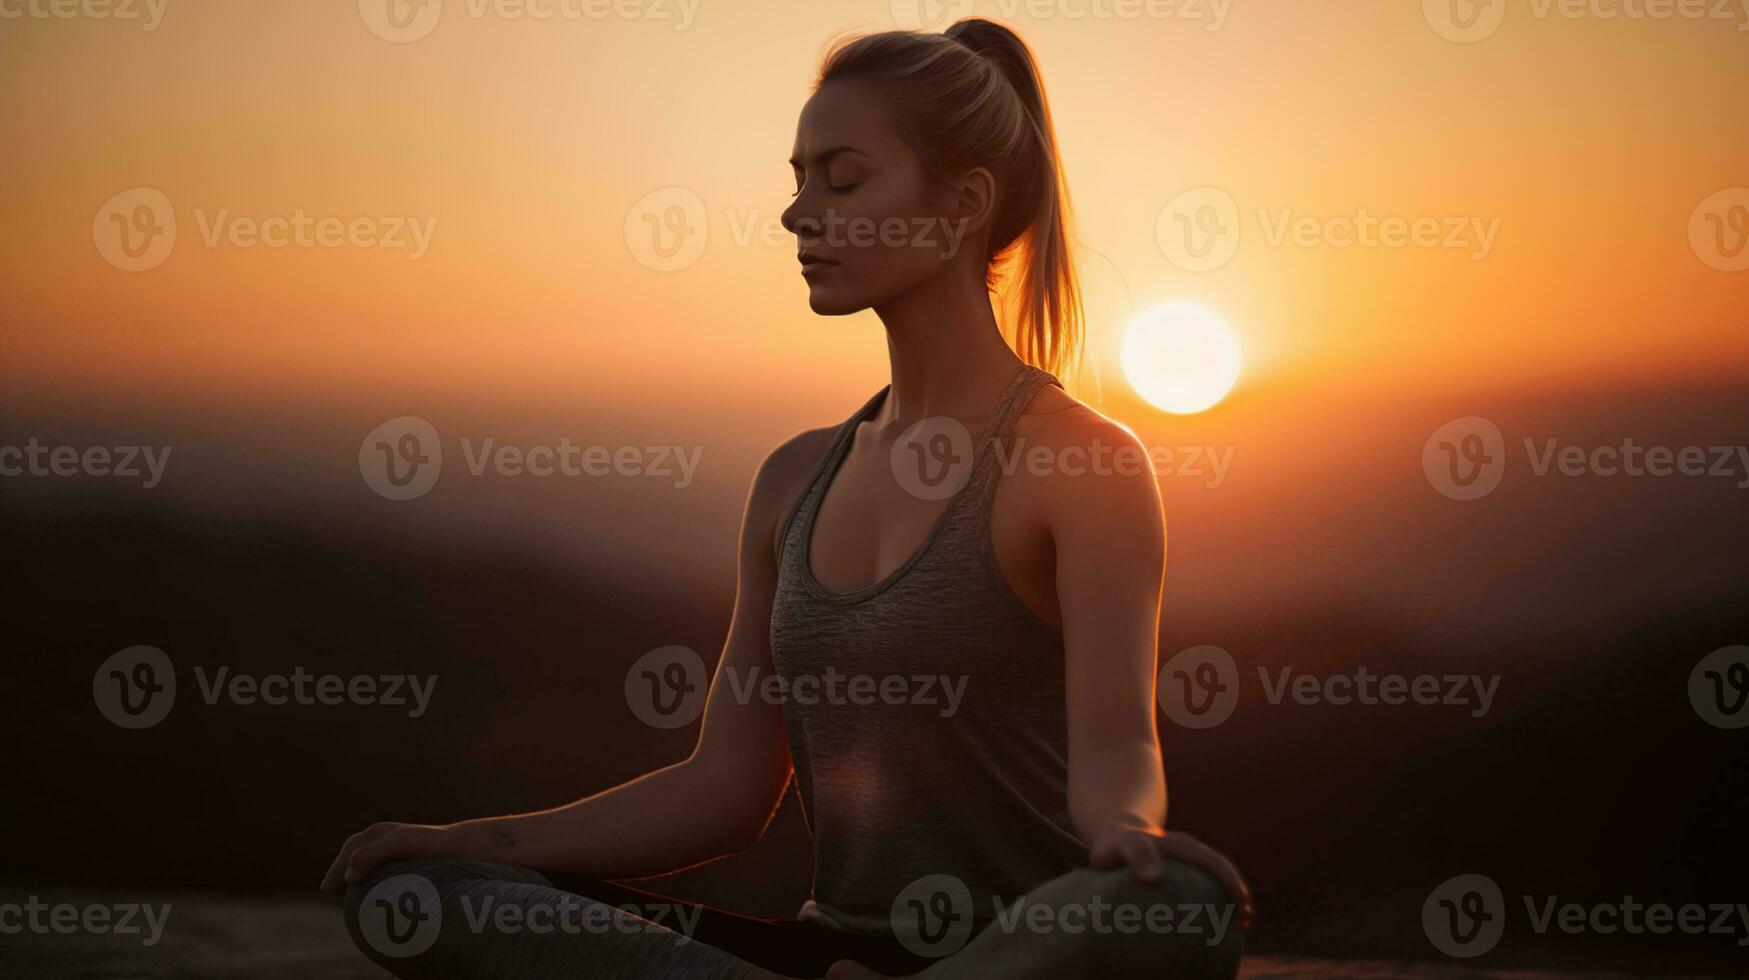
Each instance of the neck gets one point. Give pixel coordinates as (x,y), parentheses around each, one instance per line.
(946,352)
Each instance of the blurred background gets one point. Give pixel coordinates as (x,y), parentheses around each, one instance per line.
(558,222)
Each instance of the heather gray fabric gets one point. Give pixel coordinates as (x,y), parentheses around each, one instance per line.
(897,792)
(450,919)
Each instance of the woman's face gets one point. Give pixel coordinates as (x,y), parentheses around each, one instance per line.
(870,223)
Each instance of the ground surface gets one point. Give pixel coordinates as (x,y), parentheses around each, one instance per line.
(225,937)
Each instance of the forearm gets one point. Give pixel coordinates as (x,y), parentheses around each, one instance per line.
(664,821)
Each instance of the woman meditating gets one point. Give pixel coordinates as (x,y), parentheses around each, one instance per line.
(1011,825)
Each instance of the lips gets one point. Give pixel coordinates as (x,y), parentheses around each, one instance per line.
(813,264)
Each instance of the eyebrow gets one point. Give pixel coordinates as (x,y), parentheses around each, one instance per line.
(825,156)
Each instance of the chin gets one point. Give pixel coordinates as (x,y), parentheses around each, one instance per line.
(830,302)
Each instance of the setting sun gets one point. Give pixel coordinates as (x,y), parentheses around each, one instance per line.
(1181,357)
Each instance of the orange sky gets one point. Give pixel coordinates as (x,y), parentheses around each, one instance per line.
(527,141)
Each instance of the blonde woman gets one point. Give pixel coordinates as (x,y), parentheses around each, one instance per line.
(927,181)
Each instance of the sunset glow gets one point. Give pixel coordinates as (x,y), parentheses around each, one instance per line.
(1180,357)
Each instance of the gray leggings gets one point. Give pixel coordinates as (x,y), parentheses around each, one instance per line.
(469,920)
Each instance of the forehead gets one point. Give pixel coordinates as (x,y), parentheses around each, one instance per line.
(847,112)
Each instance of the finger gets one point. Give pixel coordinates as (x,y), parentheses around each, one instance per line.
(364,861)
(1105,854)
(1143,857)
(334,881)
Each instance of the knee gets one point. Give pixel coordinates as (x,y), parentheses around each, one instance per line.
(1198,925)
(397,912)
(1184,925)
(435,872)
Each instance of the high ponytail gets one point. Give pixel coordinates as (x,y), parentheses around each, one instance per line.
(971,97)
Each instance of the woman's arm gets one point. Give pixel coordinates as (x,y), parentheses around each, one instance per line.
(1110,541)
(715,802)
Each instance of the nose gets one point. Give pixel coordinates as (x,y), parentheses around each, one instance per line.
(797,222)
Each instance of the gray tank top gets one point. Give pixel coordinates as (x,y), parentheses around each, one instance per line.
(900,778)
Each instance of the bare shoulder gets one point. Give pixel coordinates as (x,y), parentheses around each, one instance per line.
(1076,456)
(1060,421)
(781,478)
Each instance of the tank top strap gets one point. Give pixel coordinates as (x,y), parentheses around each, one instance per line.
(994,445)
(801,513)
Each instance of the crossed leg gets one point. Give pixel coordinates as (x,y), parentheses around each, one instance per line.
(447,918)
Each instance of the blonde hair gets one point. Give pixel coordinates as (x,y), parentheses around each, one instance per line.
(971,97)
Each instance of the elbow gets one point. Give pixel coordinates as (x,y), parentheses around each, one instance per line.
(743,805)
